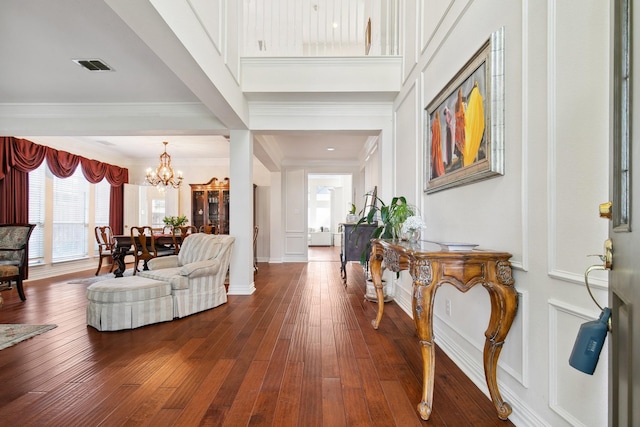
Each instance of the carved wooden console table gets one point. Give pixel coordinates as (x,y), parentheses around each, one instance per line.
(430,265)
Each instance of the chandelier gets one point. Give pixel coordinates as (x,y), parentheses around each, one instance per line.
(163,176)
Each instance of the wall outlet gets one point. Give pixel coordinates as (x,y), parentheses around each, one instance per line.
(447,307)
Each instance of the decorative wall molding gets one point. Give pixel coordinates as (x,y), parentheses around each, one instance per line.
(522,415)
(321,109)
(524,174)
(407,130)
(75,110)
(425,39)
(111,119)
(554,164)
(204,9)
(321,61)
(578,279)
(411,45)
(556,307)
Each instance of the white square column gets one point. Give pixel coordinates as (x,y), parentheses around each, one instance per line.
(241,212)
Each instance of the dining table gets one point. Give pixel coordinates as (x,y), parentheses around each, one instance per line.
(123,246)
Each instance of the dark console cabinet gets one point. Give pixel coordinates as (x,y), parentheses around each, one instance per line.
(355,240)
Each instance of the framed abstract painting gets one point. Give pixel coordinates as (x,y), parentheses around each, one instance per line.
(464,124)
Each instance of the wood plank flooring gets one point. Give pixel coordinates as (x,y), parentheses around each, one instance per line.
(299,352)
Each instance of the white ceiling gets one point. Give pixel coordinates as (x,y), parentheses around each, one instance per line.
(40,38)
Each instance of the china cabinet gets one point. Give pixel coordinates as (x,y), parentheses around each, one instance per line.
(210,204)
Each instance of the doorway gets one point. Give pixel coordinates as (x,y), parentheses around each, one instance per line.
(329,197)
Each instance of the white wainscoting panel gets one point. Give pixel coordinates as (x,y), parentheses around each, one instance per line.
(579,398)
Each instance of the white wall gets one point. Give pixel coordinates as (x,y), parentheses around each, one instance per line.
(543,210)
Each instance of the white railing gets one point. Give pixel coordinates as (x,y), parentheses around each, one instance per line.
(320,27)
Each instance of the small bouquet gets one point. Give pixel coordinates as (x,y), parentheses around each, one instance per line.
(413,223)
(176,221)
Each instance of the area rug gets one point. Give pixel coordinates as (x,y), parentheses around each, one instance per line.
(94,279)
(13,334)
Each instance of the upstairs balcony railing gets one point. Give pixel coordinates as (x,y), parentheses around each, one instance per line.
(277,28)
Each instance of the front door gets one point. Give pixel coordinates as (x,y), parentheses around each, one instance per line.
(624,278)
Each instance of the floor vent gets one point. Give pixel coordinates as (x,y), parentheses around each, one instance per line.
(93,64)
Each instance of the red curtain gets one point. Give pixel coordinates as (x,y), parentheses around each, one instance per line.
(20,156)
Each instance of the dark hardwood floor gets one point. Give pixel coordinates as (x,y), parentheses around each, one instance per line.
(299,352)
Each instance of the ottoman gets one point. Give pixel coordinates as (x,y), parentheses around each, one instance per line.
(128,302)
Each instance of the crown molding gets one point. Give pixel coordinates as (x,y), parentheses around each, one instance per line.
(58,110)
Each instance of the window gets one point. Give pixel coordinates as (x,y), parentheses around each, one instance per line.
(70,217)
(65,210)
(37,213)
(157,212)
(102,202)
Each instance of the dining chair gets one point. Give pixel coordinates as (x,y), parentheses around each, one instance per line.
(144,247)
(209,229)
(104,237)
(179,233)
(255,249)
(14,256)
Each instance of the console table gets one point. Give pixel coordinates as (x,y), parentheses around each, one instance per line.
(430,265)
(353,243)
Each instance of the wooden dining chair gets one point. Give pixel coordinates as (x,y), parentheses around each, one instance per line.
(209,229)
(104,237)
(255,249)
(179,233)
(145,248)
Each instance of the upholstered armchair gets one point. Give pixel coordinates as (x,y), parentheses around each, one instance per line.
(196,274)
(13,254)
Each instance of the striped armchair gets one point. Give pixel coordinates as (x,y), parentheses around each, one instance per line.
(196,274)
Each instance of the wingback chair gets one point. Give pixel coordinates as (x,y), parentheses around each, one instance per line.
(179,233)
(196,274)
(14,256)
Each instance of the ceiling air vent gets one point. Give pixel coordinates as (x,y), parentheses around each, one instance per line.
(93,64)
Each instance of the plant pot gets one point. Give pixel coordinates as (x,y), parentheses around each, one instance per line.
(370,291)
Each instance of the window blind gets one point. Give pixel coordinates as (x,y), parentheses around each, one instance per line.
(70,217)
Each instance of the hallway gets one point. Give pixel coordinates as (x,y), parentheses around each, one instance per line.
(299,352)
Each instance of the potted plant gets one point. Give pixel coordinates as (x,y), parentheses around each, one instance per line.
(388,217)
(351,215)
(175,221)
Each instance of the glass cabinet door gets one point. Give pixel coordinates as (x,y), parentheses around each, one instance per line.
(197,207)
(213,217)
(210,203)
(225,212)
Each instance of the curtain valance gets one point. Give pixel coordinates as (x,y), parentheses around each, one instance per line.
(20,156)
(26,156)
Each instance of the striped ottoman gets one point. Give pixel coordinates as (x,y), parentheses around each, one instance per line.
(128,302)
